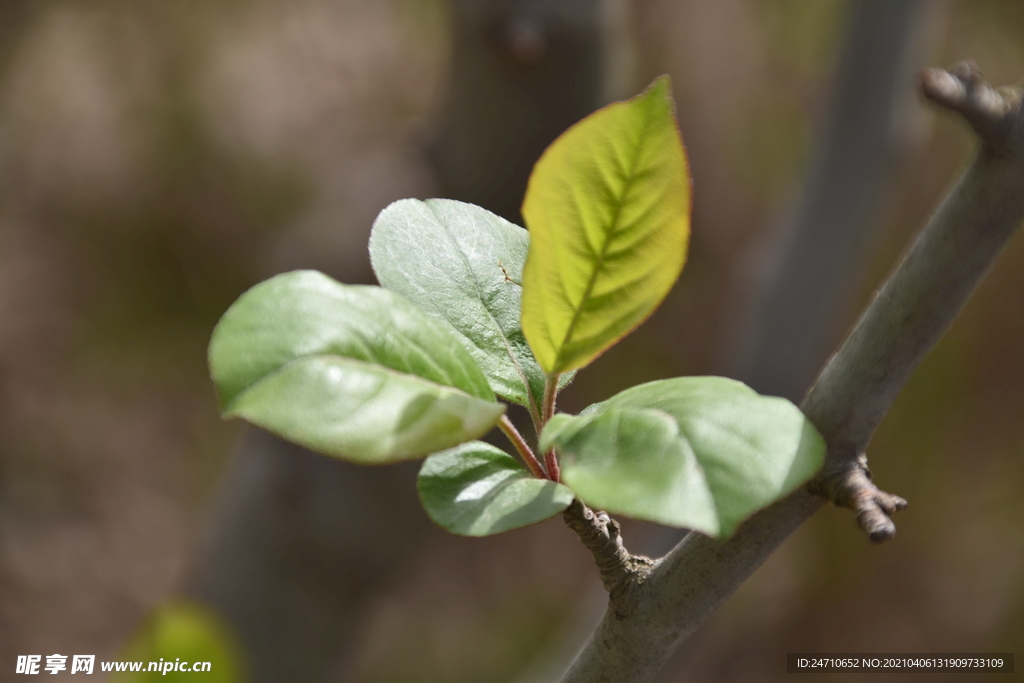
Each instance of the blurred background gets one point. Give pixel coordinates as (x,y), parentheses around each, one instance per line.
(158,158)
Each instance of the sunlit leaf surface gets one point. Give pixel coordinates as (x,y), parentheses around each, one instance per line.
(608,210)
(697,452)
(477,490)
(352,371)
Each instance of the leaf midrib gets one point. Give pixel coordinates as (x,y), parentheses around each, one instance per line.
(631,178)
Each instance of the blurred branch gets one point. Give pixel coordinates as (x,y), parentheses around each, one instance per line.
(297,547)
(522,72)
(904,321)
(847,181)
(15,17)
(802,299)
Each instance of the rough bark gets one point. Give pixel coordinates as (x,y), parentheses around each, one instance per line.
(907,316)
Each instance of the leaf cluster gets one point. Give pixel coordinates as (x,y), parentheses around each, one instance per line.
(472,308)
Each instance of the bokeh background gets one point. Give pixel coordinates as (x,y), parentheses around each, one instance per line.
(158,158)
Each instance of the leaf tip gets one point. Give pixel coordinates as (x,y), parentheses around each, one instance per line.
(661,84)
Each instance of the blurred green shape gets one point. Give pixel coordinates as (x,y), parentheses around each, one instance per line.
(180,634)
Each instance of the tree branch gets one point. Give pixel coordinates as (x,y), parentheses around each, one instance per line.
(858,385)
(923,296)
(546,411)
(990,112)
(601,535)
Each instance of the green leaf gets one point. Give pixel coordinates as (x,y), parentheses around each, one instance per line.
(608,209)
(187,633)
(463,265)
(352,371)
(477,490)
(362,412)
(698,452)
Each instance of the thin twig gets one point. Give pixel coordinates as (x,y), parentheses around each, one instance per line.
(963,90)
(548,409)
(551,462)
(550,394)
(509,429)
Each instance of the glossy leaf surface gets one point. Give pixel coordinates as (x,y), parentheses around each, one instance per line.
(463,265)
(477,490)
(352,371)
(608,210)
(698,452)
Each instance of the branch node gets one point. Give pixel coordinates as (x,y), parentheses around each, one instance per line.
(849,485)
(963,90)
(603,538)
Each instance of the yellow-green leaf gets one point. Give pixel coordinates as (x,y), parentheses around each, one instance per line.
(608,210)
